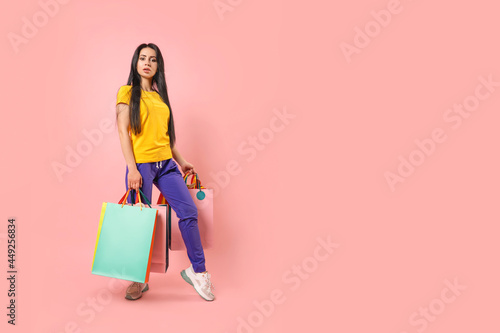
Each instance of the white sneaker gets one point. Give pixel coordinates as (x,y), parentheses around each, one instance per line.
(200,282)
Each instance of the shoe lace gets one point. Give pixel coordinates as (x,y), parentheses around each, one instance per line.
(208,283)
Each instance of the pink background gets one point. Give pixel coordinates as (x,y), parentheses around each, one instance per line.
(321,175)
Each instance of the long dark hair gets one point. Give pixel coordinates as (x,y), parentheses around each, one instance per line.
(159,85)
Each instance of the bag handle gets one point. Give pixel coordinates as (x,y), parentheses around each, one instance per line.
(143,196)
(123,199)
(197,185)
(137,198)
(194,180)
(162,200)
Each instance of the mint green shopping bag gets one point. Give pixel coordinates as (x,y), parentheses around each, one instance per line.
(125,239)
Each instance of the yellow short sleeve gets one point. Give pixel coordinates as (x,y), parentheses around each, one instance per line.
(153,143)
(123,95)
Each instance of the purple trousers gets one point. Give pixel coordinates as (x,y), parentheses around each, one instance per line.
(165,175)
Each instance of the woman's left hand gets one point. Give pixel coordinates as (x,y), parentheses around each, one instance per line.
(187,168)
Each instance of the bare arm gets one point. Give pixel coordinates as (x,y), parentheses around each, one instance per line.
(186,167)
(178,157)
(123,120)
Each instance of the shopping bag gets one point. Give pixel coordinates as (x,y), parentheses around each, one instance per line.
(125,239)
(159,262)
(159,259)
(203,199)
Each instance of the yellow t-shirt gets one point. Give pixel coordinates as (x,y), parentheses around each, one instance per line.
(153,143)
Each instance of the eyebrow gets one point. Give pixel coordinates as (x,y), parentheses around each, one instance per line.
(143,55)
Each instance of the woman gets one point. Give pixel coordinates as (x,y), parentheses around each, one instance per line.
(147,137)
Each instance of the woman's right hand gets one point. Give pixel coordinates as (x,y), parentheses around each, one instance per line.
(134,179)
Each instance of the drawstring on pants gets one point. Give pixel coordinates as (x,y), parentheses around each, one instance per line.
(157,165)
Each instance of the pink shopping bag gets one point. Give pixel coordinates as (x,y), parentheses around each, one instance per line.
(159,258)
(203,199)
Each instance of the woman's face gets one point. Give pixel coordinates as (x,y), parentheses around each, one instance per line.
(147,60)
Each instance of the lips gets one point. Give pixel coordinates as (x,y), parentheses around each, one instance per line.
(147,69)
